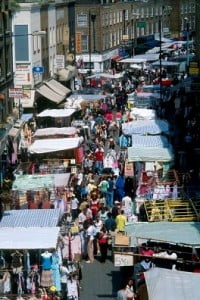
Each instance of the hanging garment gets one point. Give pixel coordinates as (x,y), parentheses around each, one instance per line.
(46,278)
(55,270)
(175,192)
(6,283)
(72,289)
(75,246)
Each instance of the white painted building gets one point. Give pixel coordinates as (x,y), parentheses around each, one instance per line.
(52,38)
(26,45)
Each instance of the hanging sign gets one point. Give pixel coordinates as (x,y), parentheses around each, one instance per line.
(123,260)
(129,171)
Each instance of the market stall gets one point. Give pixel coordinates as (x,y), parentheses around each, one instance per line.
(172,284)
(37,191)
(55,117)
(31,218)
(163,244)
(55,132)
(146,127)
(143,114)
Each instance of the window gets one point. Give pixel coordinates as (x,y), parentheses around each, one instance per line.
(120,16)
(114,17)
(8,60)
(111,40)
(126,14)
(111,18)
(21,42)
(193,7)
(82,20)
(84,42)
(117,16)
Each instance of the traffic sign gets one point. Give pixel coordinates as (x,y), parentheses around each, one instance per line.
(141,24)
(38,70)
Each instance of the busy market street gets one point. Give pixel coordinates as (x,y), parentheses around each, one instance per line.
(99,150)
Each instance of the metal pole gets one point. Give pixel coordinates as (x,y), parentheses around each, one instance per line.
(160,56)
(90,48)
(187,28)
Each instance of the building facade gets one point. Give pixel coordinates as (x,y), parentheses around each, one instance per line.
(6,82)
(111,28)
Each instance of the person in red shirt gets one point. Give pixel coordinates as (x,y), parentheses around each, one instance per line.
(99,156)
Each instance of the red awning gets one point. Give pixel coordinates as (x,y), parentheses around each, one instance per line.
(117,58)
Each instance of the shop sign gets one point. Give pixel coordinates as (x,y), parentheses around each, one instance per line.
(60,61)
(123,260)
(22,74)
(141,24)
(78,43)
(15,93)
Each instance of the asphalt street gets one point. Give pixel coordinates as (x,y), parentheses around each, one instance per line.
(100,280)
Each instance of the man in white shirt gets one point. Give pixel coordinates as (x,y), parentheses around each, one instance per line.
(79,178)
(91,233)
(74,206)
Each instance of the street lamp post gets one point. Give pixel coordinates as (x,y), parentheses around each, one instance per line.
(187,41)
(90,48)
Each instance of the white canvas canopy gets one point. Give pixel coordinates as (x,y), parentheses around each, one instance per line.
(149,154)
(29,238)
(143,113)
(156,141)
(54,145)
(56,113)
(37,181)
(107,75)
(172,284)
(145,127)
(55,131)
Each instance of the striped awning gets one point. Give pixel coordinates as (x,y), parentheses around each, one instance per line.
(31,218)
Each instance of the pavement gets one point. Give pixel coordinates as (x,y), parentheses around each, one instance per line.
(100,280)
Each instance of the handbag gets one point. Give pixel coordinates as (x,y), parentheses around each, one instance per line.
(122,240)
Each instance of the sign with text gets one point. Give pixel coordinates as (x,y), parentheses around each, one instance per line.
(78,43)
(22,74)
(15,93)
(39,70)
(60,61)
(123,260)
(128,169)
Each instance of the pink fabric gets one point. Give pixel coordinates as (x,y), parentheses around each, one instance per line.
(14,154)
(75,245)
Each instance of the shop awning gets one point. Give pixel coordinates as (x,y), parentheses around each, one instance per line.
(55,131)
(48,93)
(26,117)
(143,113)
(54,145)
(178,233)
(172,284)
(31,218)
(67,74)
(29,238)
(148,154)
(28,99)
(16,129)
(56,113)
(117,58)
(58,87)
(145,127)
(14,132)
(155,141)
